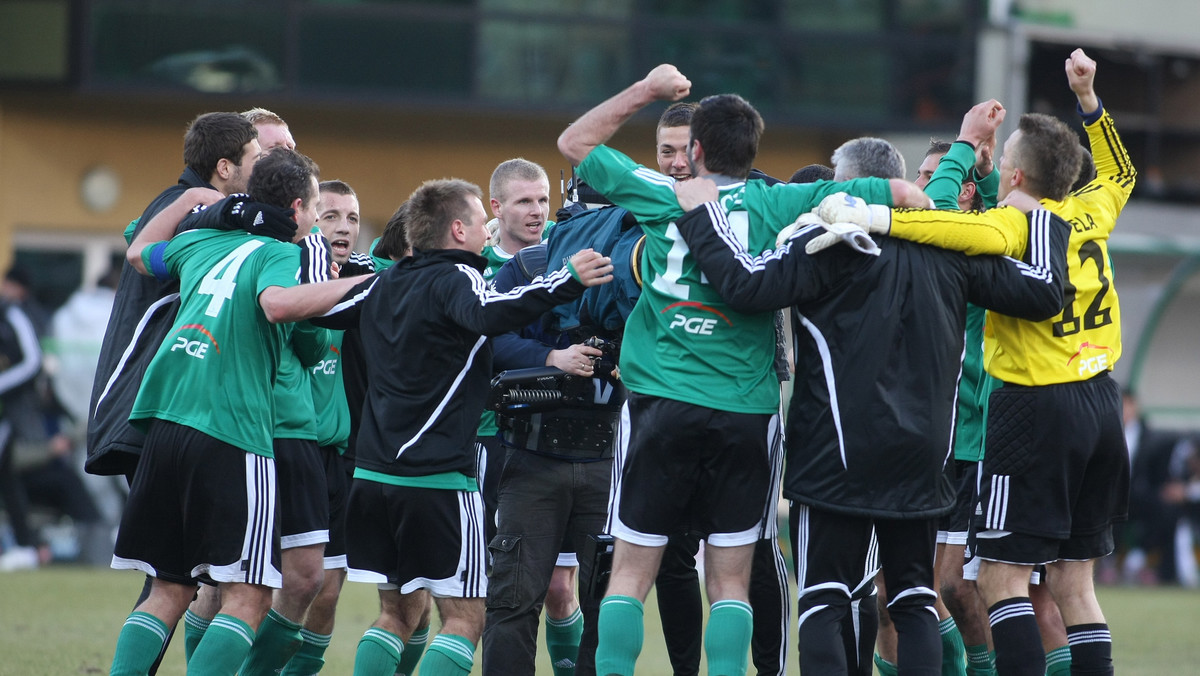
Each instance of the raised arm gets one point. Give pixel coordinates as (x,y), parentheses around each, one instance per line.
(970,151)
(664,83)
(1115,174)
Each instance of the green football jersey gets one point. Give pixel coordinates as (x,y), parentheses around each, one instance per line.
(329,396)
(295,415)
(496,258)
(682,341)
(215,370)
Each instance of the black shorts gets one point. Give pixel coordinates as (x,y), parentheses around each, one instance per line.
(1055,474)
(408,538)
(303,493)
(200,508)
(952,529)
(834,553)
(687,467)
(337,481)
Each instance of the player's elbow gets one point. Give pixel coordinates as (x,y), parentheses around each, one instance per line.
(275,306)
(134,255)
(570,147)
(907,194)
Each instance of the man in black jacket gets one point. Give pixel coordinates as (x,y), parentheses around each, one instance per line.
(879,342)
(414,516)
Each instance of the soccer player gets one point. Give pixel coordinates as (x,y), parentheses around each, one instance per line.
(219,152)
(1055,473)
(338,220)
(414,514)
(206,405)
(703,391)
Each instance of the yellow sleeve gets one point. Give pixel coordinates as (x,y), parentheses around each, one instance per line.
(1000,231)
(1107,194)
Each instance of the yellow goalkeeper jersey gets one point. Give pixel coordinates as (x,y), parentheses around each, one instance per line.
(1085,339)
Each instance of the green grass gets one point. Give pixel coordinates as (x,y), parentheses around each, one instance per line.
(64,620)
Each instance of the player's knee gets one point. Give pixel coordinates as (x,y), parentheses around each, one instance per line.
(304,583)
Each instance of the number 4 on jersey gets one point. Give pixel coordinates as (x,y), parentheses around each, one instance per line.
(222,278)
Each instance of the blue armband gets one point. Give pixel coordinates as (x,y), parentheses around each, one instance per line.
(157,266)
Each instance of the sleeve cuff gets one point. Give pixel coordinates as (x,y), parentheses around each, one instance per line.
(1090,118)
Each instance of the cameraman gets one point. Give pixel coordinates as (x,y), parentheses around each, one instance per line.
(553,491)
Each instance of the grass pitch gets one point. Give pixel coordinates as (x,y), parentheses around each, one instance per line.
(64,620)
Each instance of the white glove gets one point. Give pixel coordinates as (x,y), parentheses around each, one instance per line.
(849,233)
(842,208)
(806,219)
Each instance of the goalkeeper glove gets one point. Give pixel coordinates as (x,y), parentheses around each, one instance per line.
(849,233)
(842,208)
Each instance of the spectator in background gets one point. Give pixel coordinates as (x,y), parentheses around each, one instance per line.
(1144,543)
(20,362)
(17,288)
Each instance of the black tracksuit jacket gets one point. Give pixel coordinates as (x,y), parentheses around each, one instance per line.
(878,350)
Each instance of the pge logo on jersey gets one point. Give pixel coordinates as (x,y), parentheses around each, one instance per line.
(1091,359)
(327,366)
(195,348)
(700,326)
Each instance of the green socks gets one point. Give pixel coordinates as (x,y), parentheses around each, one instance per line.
(141,639)
(225,645)
(414,647)
(309,659)
(620,634)
(448,655)
(278,639)
(194,627)
(953,651)
(562,642)
(1058,661)
(378,653)
(980,661)
(727,637)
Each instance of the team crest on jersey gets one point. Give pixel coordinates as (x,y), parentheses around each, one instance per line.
(192,347)
(700,326)
(1091,359)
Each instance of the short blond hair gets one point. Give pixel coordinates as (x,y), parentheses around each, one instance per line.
(516,169)
(257,116)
